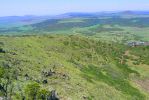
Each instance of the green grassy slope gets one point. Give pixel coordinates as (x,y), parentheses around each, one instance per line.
(82,68)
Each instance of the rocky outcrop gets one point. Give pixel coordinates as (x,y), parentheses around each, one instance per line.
(53,96)
(2,50)
(48,73)
(45,81)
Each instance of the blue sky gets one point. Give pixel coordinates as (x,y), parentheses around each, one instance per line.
(52,7)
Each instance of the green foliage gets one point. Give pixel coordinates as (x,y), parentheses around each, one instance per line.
(1,72)
(94,73)
(142,54)
(43,94)
(32,90)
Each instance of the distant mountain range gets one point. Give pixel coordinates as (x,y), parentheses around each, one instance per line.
(13,23)
(101,14)
(30,19)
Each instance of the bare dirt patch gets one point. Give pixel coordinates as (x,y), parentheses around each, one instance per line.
(144,84)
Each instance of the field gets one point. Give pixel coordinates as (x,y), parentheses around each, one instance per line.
(109,29)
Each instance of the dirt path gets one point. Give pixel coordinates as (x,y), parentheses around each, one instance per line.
(142,83)
(127,53)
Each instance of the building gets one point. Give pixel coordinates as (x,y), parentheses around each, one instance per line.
(138,43)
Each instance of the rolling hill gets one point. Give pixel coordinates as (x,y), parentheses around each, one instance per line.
(77,67)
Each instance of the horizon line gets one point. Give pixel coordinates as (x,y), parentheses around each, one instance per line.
(106,11)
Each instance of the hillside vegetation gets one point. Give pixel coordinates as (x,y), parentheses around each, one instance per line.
(75,66)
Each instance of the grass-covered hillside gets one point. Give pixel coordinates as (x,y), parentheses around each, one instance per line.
(76,67)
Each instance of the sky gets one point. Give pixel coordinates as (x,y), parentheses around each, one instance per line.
(54,7)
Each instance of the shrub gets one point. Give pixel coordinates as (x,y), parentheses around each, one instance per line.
(32,90)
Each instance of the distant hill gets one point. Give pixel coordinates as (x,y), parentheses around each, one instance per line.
(10,21)
(90,24)
(14,21)
(99,14)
